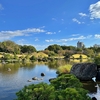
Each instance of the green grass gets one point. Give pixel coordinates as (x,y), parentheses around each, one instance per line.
(65,68)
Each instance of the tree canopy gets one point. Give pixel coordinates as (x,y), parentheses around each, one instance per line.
(54,48)
(27,49)
(9,47)
(12,47)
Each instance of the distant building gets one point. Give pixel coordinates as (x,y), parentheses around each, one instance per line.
(80,44)
(97,46)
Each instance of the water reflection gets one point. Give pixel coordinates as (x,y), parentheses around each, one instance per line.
(56,63)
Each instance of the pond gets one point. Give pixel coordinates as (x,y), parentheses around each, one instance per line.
(14,80)
(17,78)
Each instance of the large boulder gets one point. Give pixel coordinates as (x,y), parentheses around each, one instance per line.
(84,71)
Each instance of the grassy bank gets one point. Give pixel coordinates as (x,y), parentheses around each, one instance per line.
(65,68)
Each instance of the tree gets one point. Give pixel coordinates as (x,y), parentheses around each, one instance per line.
(68,47)
(28,49)
(9,47)
(89,52)
(54,48)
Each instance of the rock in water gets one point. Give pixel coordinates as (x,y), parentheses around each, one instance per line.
(42,74)
(84,71)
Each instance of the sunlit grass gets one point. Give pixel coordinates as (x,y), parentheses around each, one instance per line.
(79,60)
(78,56)
(65,68)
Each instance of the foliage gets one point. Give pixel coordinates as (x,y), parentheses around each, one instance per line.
(64,87)
(68,53)
(33,58)
(6,57)
(40,91)
(97,60)
(28,49)
(54,48)
(66,80)
(68,47)
(89,52)
(73,94)
(9,47)
(51,54)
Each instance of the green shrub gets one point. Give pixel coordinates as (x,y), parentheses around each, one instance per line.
(64,87)
(33,58)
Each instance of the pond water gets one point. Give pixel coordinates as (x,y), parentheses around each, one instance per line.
(14,80)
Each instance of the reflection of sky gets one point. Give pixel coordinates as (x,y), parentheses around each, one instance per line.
(10,84)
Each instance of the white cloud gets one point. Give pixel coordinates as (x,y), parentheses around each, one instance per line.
(42,27)
(75,20)
(40,47)
(75,34)
(1,7)
(59,31)
(50,32)
(97,36)
(4,35)
(89,36)
(95,10)
(49,40)
(36,39)
(78,38)
(62,19)
(54,19)
(82,14)
(21,42)
(70,39)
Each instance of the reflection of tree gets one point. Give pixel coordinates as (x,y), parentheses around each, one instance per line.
(28,65)
(56,63)
(15,67)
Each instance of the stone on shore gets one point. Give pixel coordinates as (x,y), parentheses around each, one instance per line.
(84,71)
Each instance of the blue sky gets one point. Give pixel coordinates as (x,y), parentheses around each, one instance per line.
(45,22)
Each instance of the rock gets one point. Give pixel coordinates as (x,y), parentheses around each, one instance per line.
(34,78)
(84,71)
(57,72)
(29,80)
(98,76)
(9,69)
(94,98)
(42,74)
